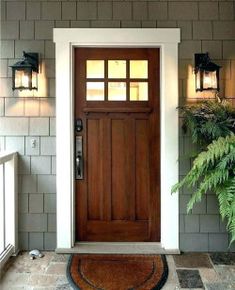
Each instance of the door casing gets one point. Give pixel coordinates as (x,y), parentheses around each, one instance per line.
(167,40)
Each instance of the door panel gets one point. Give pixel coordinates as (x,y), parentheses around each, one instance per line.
(94,185)
(142,169)
(118,198)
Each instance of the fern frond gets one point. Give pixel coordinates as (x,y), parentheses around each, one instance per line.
(226,197)
(210,182)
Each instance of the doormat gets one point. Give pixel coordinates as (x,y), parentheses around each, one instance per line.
(117,272)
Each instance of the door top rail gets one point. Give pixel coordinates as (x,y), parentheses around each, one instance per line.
(7,156)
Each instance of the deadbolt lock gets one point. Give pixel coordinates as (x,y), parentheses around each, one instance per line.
(78,125)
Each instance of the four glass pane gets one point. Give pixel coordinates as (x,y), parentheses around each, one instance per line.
(117,90)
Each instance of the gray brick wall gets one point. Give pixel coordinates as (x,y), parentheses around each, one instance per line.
(27,25)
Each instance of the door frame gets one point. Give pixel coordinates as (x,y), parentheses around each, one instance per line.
(167,40)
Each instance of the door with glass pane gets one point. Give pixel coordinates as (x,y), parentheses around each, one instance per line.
(117,150)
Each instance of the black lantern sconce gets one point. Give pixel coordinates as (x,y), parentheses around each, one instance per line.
(206,73)
(25,72)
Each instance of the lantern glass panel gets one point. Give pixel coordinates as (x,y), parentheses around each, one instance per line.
(22,79)
(198,81)
(34,80)
(209,80)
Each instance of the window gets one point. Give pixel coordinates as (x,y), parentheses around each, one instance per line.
(117,80)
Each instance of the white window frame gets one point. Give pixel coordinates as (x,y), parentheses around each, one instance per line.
(165,39)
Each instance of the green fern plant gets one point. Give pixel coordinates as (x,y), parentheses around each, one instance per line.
(209,120)
(214,169)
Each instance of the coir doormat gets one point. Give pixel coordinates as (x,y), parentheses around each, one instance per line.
(117,272)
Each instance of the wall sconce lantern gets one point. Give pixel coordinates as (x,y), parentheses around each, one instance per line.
(206,73)
(25,72)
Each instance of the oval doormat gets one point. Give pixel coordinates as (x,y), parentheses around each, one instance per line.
(117,272)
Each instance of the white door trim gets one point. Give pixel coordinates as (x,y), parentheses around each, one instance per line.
(68,38)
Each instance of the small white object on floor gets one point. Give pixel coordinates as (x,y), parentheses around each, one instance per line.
(35,254)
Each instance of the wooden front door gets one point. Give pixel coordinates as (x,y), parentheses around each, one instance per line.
(117,113)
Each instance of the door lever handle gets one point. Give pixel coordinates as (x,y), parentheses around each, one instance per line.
(79,170)
(79,163)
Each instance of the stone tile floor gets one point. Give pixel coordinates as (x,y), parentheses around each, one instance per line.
(187,271)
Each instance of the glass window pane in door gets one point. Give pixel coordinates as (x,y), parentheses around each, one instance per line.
(117,69)
(95,91)
(116,91)
(95,69)
(138,91)
(138,69)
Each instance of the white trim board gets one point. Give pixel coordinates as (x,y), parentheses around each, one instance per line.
(167,40)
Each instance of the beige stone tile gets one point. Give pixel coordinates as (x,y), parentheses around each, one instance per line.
(170,286)
(226,273)
(62,258)
(43,280)
(63,283)
(56,269)
(14,279)
(209,275)
(44,288)
(23,264)
(10,287)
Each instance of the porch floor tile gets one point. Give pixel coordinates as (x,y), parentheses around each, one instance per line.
(49,272)
(223,258)
(192,260)
(189,278)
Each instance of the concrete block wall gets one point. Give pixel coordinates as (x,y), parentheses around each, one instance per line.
(27,25)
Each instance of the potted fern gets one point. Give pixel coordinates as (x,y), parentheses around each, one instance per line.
(212,125)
